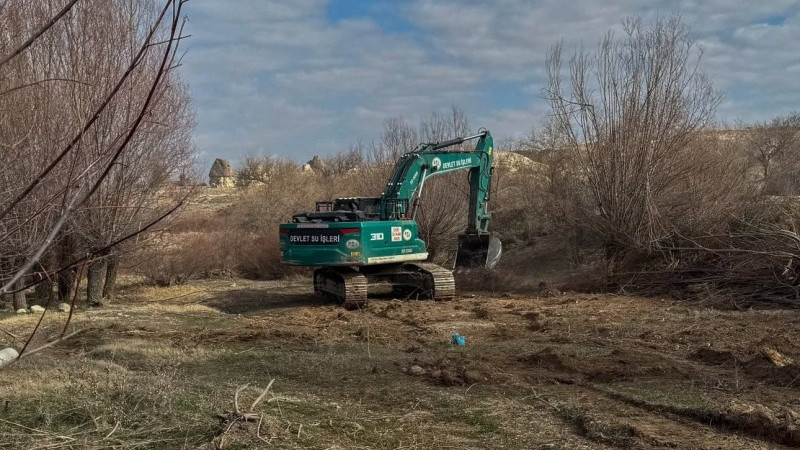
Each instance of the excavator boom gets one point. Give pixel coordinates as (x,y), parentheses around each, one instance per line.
(476,247)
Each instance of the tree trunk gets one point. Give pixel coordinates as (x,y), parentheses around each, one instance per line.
(66,285)
(110,286)
(66,279)
(95,279)
(18,298)
(44,291)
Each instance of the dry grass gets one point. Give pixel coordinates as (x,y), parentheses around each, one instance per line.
(568,371)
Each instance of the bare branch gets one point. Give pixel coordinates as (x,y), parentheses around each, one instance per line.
(38,33)
(92,120)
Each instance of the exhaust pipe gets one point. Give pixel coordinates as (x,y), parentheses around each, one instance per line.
(478,251)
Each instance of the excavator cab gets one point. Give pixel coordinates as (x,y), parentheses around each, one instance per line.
(478,250)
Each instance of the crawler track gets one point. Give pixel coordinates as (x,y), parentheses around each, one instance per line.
(436,281)
(348,286)
(343,284)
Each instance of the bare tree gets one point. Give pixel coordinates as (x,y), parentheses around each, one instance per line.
(253,170)
(439,127)
(775,147)
(630,114)
(397,138)
(347,160)
(443,211)
(55,92)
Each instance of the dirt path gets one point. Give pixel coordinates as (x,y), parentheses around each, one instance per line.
(572,371)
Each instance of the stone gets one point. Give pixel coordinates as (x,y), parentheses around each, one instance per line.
(416,370)
(7,355)
(221,174)
(64,307)
(22,311)
(37,308)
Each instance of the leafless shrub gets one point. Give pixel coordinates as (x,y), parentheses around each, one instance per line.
(176,259)
(629,117)
(632,167)
(775,147)
(753,261)
(397,138)
(346,161)
(199,221)
(241,239)
(260,258)
(255,171)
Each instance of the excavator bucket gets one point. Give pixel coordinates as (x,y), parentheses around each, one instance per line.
(478,251)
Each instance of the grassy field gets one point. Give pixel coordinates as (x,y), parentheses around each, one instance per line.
(160,368)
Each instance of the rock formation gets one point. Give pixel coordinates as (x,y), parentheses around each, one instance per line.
(221,174)
(316,164)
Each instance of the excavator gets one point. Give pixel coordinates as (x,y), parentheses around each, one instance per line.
(359,241)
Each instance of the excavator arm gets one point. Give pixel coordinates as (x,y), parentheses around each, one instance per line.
(401,198)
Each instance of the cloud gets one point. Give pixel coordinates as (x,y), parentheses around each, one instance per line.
(298,85)
(281,76)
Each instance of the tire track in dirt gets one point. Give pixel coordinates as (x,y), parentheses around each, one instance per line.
(753,421)
(611,420)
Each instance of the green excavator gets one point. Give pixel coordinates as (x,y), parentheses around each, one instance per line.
(357,241)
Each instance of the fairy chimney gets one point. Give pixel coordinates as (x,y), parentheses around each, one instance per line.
(316,165)
(221,174)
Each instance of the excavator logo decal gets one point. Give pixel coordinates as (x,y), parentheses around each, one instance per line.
(436,163)
(407,234)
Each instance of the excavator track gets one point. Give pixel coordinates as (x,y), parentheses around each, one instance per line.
(342,284)
(437,281)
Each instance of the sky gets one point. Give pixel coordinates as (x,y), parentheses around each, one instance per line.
(298,78)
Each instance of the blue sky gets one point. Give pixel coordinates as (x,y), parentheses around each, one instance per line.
(303,77)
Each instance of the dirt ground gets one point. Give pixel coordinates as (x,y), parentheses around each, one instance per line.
(160,368)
